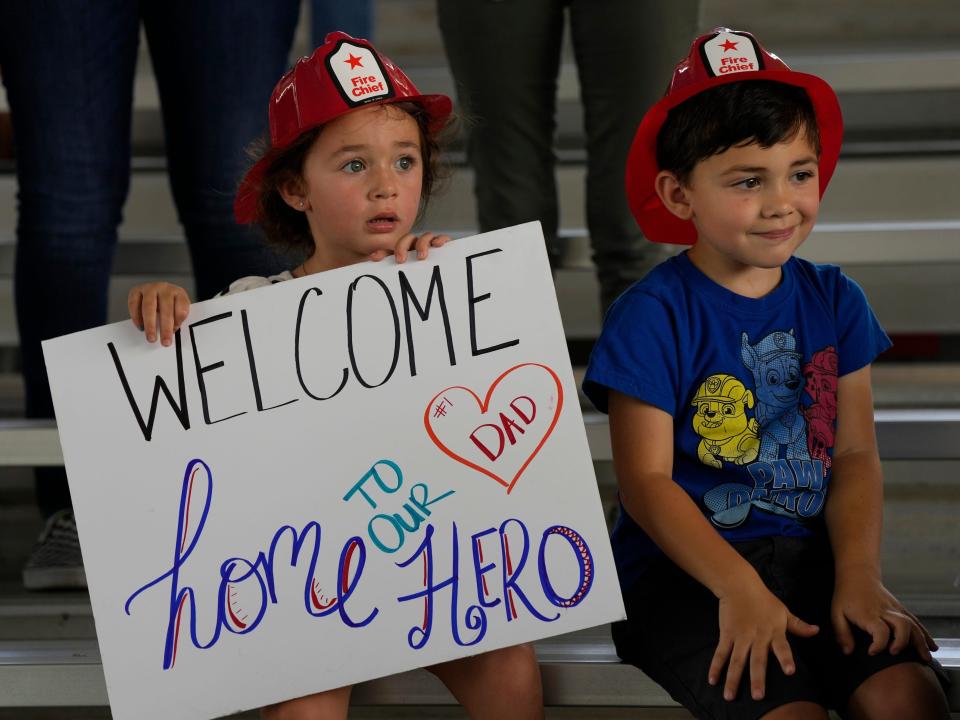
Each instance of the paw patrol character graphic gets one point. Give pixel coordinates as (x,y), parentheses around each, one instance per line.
(821,377)
(775,364)
(721,420)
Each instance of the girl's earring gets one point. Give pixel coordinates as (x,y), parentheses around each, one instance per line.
(300,204)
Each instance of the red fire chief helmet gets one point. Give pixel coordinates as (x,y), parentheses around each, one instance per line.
(719,57)
(343,74)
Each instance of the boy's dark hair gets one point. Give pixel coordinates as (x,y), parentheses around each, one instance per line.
(760,111)
(285,228)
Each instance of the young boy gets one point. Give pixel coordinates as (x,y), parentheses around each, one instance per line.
(751,500)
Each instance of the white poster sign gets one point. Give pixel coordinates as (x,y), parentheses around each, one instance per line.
(333,479)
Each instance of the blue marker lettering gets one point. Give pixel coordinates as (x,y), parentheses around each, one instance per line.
(584,559)
(511,574)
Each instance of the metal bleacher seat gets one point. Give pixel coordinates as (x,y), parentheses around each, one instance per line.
(891,218)
(579,670)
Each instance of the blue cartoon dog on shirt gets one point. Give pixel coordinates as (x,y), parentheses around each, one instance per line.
(778,382)
(786,481)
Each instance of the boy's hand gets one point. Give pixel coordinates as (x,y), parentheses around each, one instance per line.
(753,622)
(158,306)
(861,599)
(410,241)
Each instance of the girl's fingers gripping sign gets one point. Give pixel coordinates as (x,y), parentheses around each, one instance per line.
(420,244)
(158,309)
(427,241)
(403,246)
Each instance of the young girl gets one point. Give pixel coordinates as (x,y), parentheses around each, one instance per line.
(351,163)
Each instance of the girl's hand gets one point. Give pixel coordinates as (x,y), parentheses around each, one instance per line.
(410,241)
(158,305)
(753,622)
(861,599)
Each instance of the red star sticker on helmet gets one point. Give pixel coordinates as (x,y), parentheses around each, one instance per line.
(355,61)
(728,44)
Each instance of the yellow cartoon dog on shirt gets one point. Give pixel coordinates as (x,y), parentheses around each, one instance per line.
(722,423)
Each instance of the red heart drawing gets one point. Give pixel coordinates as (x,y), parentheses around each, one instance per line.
(435,412)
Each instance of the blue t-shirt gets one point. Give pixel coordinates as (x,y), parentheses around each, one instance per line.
(751,385)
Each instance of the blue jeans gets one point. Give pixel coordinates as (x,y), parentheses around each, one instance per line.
(352,16)
(68,68)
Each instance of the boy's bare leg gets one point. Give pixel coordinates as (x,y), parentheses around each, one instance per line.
(497,684)
(905,690)
(329,705)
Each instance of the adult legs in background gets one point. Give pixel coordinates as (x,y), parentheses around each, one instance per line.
(505,57)
(354,17)
(68,70)
(624,51)
(216,64)
(71,108)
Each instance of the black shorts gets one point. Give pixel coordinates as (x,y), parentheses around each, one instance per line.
(671,633)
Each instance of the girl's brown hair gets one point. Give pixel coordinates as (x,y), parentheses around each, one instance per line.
(286,228)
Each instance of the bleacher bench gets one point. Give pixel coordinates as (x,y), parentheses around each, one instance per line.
(575,674)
